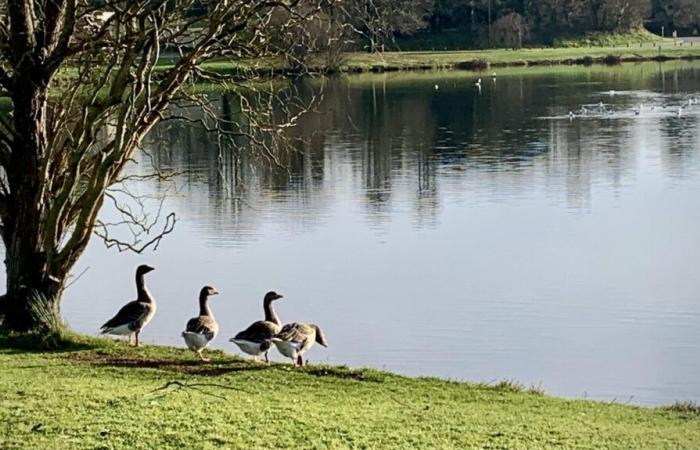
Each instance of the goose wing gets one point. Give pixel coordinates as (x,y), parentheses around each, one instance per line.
(295,332)
(260,331)
(130,314)
(204,325)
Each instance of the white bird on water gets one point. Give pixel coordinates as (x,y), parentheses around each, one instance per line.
(437,87)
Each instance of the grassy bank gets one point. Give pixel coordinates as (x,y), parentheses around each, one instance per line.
(484,59)
(460,40)
(475,60)
(100,394)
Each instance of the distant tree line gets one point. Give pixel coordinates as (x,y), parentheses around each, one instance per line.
(517,22)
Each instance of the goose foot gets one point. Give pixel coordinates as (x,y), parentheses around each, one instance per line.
(299,362)
(202,357)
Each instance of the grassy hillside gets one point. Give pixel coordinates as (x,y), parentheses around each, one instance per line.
(96,394)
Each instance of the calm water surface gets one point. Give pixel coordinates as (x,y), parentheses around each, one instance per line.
(446,231)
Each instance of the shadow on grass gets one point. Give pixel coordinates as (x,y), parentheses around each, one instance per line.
(36,342)
(216,367)
(345,373)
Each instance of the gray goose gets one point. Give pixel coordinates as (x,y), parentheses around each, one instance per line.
(295,338)
(202,329)
(136,314)
(256,339)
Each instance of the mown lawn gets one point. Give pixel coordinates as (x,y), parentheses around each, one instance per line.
(98,394)
(466,59)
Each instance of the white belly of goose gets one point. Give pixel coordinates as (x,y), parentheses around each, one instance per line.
(251,348)
(195,341)
(288,348)
(121,330)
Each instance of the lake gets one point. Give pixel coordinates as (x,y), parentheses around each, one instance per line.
(434,228)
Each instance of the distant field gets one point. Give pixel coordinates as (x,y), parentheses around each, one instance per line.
(475,59)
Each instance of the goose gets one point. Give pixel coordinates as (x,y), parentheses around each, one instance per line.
(571,115)
(256,339)
(136,314)
(296,338)
(478,83)
(201,330)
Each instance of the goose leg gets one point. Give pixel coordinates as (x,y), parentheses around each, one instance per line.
(300,361)
(267,360)
(137,340)
(199,353)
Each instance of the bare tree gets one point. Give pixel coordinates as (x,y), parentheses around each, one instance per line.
(87,80)
(379,21)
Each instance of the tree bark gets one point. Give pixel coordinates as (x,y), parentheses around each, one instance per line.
(33,292)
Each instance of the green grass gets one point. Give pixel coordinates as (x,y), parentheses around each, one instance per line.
(632,38)
(97,394)
(461,40)
(503,57)
(473,59)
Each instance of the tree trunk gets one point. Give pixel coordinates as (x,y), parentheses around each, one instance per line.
(32,300)
(33,287)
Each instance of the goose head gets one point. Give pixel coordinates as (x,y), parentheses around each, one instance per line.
(143,269)
(207,291)
(272,296)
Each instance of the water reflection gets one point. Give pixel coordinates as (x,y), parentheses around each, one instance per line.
(397,140)
(452,232)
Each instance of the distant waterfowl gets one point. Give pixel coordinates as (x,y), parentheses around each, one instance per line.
(257,338)
(296,338)
(680,111)
(478,83)
(201,330)
(571,115)
(437,87)
(136,314)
